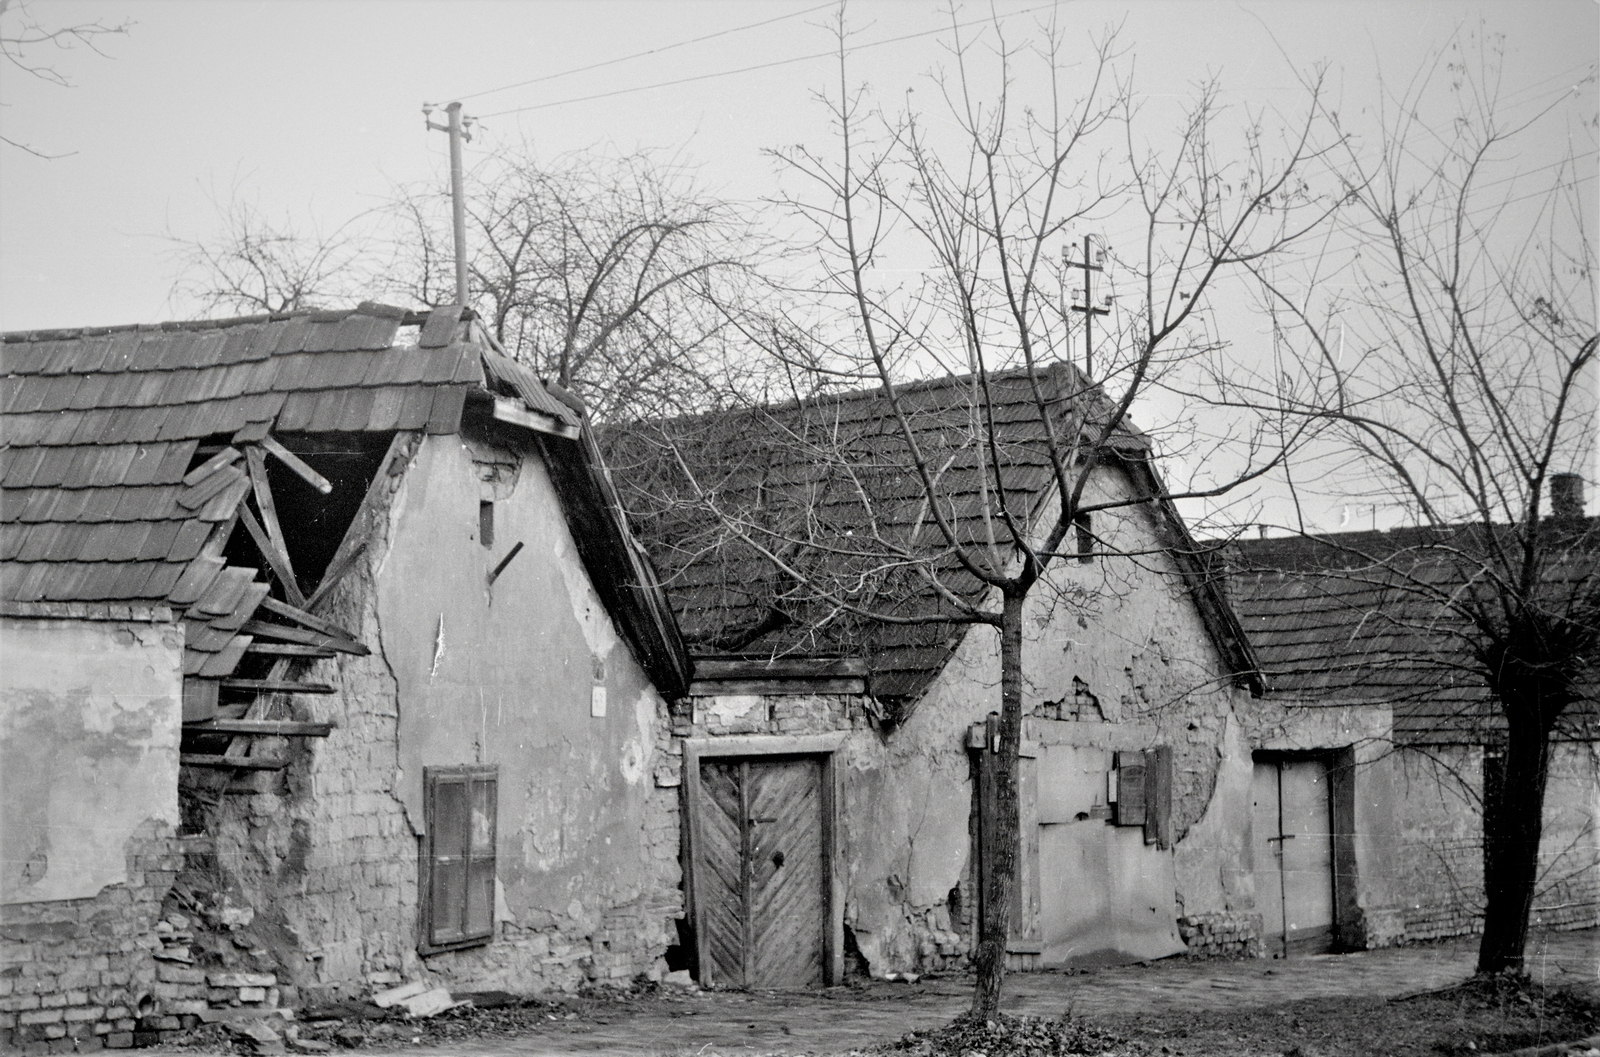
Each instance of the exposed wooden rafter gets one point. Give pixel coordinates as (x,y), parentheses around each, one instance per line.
(297,464)
(276,552)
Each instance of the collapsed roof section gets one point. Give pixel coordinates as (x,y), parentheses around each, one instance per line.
(156,466)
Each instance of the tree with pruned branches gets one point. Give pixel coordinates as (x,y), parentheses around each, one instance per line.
(935,240)
(1445,352)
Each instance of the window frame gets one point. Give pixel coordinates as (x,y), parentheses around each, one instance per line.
(469,859)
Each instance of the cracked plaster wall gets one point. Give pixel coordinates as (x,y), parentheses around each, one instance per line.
(89,722)
(1116,641)
(463,673)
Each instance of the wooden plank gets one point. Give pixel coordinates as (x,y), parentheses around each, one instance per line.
(282,728)
(712,688)
(297,464)
(277,686)
(282,649)
(223,458)
(786,867)
(300,616)
(243,763)
(718,668)
(269,518)
(199,698)
(765,745)
(271,551)
(282,632)
(513,412)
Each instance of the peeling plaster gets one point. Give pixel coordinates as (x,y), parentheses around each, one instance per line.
(90,714)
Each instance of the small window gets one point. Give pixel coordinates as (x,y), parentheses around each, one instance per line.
(1085,538)
(458,903)
(486,523)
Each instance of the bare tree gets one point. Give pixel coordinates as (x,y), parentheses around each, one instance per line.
(22,37)
(1447,368)
(612,275)
(936,239)
(253,263)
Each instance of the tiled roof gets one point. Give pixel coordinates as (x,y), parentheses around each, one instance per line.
(1338,618)
(833,471)
(101,497)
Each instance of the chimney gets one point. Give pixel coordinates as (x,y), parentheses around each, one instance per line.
(1566,496)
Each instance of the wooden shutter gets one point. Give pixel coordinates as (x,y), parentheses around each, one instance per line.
(1158,796)
(1129,808)
(461,813)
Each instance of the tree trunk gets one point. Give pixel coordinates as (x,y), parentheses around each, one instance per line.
(998,840)
(1513,819)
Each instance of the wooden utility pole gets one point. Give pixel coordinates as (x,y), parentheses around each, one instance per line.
(1087,308)
(458,196)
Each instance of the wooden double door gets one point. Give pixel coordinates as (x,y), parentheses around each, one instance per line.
(760,871)
(1292,817)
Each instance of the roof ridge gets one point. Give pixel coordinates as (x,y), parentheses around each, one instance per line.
(407,317)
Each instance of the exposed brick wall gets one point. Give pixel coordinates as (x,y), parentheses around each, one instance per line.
(80,974)
(1216,934)
(1440,862)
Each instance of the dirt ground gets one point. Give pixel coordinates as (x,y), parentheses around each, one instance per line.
(1411,1001)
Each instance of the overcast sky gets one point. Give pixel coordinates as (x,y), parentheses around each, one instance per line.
(313,110)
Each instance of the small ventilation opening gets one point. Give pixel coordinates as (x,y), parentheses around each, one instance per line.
(486,523)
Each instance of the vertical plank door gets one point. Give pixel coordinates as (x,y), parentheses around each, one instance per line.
(1293,855)
(760,877)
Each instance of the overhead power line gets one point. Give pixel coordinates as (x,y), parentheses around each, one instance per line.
(643,54)
(759,66)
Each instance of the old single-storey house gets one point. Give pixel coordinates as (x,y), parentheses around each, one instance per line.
(329,662)
(1333,622)
(834,765)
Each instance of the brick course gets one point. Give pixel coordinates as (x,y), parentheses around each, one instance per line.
(67,966)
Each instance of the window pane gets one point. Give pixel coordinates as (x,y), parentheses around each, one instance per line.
(483,805)
(480,898)
(448,895)
(449,819)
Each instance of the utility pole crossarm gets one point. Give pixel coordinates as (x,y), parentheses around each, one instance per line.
(1087,308)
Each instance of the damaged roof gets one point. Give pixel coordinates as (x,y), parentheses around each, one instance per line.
(832,471)
(1346,617)
(106,500)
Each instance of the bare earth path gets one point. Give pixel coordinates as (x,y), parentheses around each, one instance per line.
(729,1023)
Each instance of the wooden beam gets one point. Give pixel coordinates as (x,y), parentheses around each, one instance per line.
(280,649)
(271,551)
(708,668)
(269,517)
(282,728)
(284,633)
(297,464)
(300,616)
(712,688)
(276,686)
(335,573)
(513,411)
(243,763)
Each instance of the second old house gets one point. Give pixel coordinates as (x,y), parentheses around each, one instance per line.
(330,663)
(835,762)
